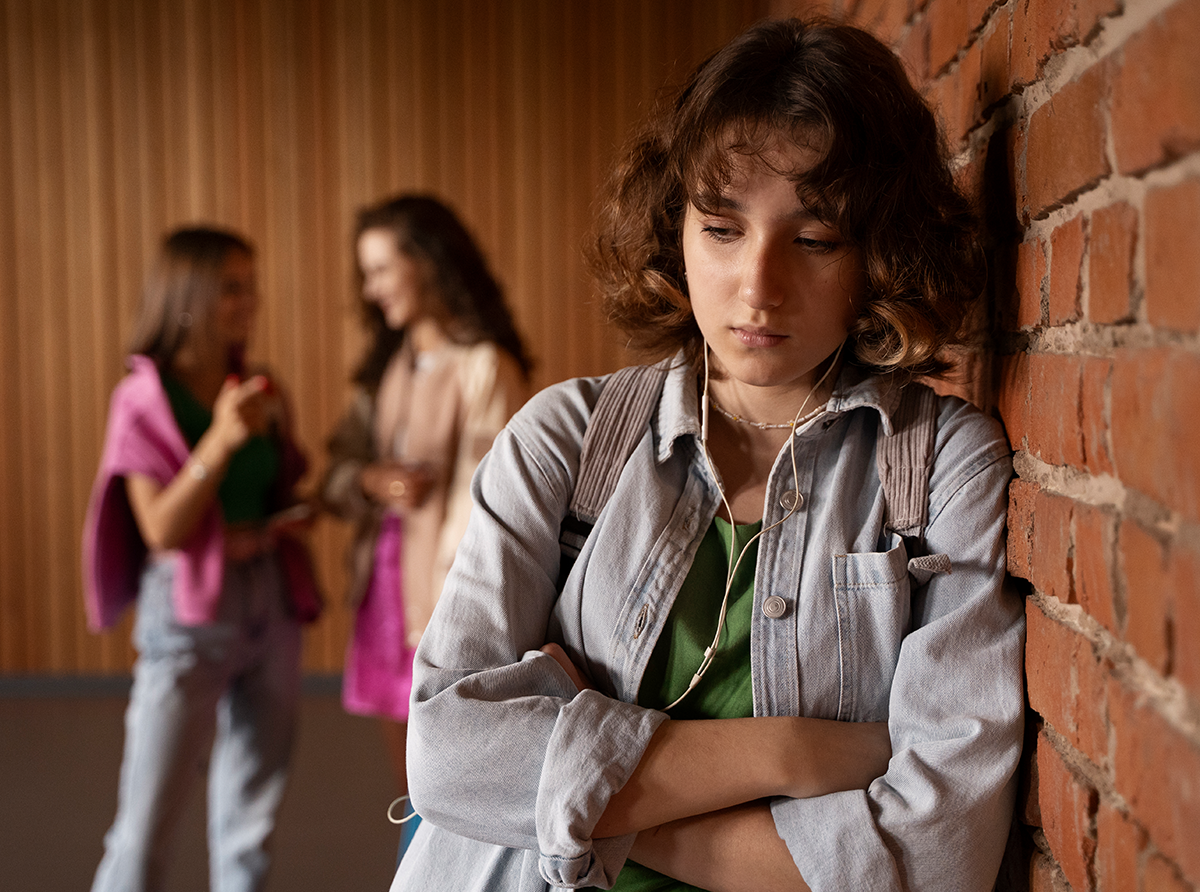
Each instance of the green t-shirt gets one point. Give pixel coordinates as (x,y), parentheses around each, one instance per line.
(245,492)
(726,691)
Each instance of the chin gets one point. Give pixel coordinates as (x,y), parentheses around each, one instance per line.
(759,373)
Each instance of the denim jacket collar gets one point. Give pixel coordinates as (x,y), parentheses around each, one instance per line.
(679,409)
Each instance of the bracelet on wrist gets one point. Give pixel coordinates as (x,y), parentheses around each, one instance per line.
(198,469)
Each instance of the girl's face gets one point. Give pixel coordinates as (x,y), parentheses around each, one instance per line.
(237,300)
(773,289)
(392,280)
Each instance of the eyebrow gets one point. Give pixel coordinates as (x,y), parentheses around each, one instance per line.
(723,201)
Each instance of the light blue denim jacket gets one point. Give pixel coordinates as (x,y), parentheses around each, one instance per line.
(511,768)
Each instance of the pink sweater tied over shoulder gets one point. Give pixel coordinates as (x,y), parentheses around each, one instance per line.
(144,438)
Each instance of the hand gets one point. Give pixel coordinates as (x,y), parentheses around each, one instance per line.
(400,485)
(838,756)
(560,656)
(294,520)
(241,410)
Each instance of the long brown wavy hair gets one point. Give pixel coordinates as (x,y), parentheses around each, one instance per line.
(467,294)
(882,179)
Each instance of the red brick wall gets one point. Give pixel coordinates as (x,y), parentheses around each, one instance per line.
(1077,127)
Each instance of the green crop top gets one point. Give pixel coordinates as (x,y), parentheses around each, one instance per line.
(245,493)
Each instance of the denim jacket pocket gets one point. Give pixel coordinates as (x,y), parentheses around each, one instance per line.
(872,596)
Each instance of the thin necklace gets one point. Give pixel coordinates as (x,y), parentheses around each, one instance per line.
(762,425)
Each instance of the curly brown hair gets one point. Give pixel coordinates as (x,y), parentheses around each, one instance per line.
(882,179)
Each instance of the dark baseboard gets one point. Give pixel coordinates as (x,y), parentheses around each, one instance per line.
(15,686)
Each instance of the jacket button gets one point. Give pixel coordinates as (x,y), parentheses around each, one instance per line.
(791,500)
(774,607)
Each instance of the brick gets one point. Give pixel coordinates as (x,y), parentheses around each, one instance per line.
(1119,843)
(1148,595)
(1013,397)
(948,32)
(1156,91)
(1183,567)
(913,51)
(1068,809)
(954,94)
(1156,424)
(1051,557)
(1066,682)
(1030,273)
(883,18)
(1095,547)
(1111,241)
(1094,423)
(1157,771)
(1173,256)
(995,75)
(1021,498)
(1162,876)
(978,12)
(1049,650)
(1065,153)
(1163,603)
(1041,28)
(1066,264)
(1056,390)
(970,76)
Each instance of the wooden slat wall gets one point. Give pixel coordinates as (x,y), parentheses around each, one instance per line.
(122,118)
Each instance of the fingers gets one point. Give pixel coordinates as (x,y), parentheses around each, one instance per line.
(560,657)
(236,393)
(240,409)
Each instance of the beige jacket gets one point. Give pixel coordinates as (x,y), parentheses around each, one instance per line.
(443,411)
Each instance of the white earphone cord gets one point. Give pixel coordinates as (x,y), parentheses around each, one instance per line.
(404,820)
(711,651)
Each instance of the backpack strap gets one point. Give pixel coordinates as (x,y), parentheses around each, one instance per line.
(618,422)
(904,460)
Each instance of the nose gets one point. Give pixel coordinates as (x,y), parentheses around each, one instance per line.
(763,279)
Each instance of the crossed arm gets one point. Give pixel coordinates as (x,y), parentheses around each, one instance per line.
(697,797)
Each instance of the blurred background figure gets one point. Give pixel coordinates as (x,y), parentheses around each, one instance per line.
(443,371)
(193,515)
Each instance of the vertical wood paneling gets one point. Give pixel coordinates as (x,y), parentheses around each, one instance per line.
(280,118)
(12,583)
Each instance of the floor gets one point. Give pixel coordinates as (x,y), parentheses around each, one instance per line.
(60,750)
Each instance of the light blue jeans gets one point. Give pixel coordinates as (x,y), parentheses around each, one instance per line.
(226,693)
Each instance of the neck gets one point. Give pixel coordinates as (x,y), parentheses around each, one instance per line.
(427,334)
(767,408)
(778,406)
(202,371)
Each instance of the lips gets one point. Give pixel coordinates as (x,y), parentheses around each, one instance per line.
(758,337)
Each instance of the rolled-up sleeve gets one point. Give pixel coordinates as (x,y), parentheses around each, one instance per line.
(502,748)
(938,818)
